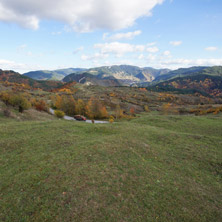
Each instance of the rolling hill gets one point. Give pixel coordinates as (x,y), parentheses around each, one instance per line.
(58,74)
(125,73)
(89,79)
(208,85)
(14,77)
(182,72)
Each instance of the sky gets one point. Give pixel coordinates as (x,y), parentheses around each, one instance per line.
(54,34)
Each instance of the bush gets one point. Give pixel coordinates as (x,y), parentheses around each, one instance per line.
(111,119)
(20,101)
(59,113)
(5,97)
(146,108)
(7,112)
(41,106)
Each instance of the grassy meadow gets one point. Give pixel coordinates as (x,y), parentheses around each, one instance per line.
(152,168)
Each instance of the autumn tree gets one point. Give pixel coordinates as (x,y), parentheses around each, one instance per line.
(58,102)
(104,113)
(5,96)
(68,105)
(166,108)
(80,107)
(146,108)
(118,112)
(41,105)
(132,111)
(95,110)
(20,101)
(111,119)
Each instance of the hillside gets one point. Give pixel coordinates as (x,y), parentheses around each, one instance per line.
(208,85)
(89,79)
(128,74)
(154,168)
(125,73)
(182,72)
(58,74)
(14,77)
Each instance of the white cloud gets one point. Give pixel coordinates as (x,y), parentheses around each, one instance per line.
(152,49)
(211,49)
(151,57)
(81,15)
(151,44)
(18,67)
(56,33)
(96,56)
(175,43)
(177,63)
(119,36)
(166,53)
(81,48)
(141,56)
(119,48)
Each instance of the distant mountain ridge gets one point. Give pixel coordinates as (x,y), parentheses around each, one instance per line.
(58,74)
(89,79)
(207,85)
(196,70)
(125,73)
(14,77)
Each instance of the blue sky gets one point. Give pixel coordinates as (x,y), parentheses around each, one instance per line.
(75,33)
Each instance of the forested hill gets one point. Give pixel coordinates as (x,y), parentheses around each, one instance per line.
(199,70)
(58,74)
(204,84)
(14,77)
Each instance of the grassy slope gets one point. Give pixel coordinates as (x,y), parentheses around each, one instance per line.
(154,168)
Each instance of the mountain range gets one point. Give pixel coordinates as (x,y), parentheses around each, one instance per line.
(126,74)
(14,77)
(58,74)
(205,80)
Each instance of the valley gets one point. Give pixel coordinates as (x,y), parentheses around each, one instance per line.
(157,156)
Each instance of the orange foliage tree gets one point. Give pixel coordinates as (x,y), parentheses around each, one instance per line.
(95,110)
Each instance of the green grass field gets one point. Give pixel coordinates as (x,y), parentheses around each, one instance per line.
(153,168)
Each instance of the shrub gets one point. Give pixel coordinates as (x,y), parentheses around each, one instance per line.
(146,108)
(7,112)
(111,119)
(20,101)
(5,97)
(41,106)
(59,113)
(132,111)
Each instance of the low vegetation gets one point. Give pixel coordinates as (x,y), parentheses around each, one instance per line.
(59,113)
(160,160)
(152,168)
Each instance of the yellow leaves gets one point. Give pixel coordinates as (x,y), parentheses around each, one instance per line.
(169,108)
(58,102)
(119,112)
(112,94)
(68,91)
(96,110)
(146,108)
(111,119)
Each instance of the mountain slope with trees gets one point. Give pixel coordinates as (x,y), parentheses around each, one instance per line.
(182,72)
(58,74)
(14,77)
(126,73)
(208,85)
(89,79)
